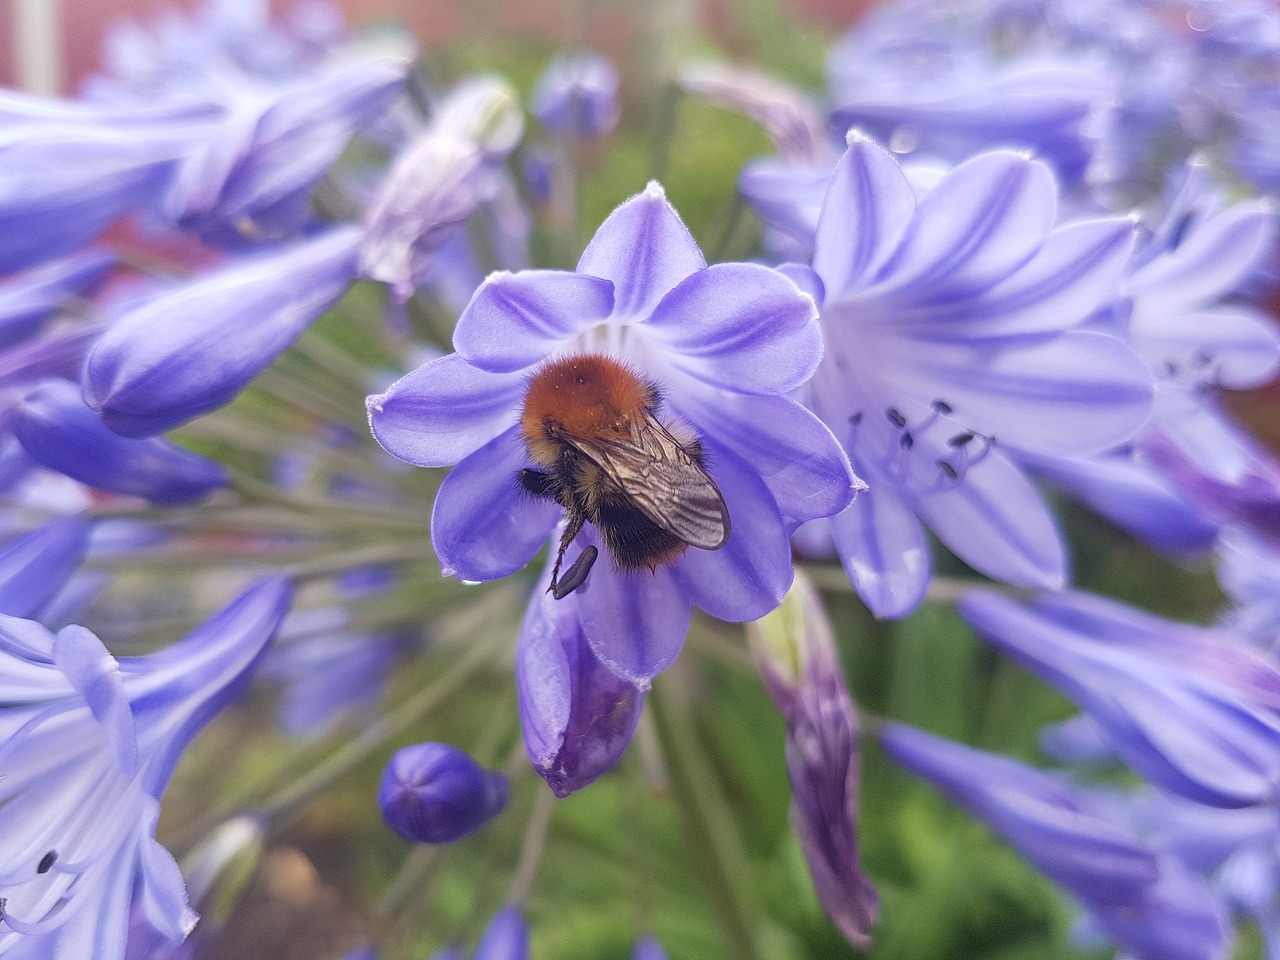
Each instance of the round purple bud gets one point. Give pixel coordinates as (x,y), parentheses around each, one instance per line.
(435,793)
(577,97)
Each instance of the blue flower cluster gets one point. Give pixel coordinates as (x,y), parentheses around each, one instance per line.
(1017,250)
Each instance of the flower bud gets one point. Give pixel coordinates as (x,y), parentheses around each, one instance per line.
(218,871)
(577,97)
(59,432)
(435,793)
(795,653)
(507,937)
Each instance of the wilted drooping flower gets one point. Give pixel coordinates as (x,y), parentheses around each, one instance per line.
(577,97)
(435,793)
(947,318)
(191,350)
(726,343)
(439,180)
(1188,709)
(1152,906)
(795,652)
(89,745)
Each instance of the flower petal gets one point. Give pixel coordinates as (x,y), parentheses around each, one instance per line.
(645,249)
(33,568)
(484,526)
(1073,394)
(984,219)
(883,549)
(749,575)
(739,326)
(444,411)
(516,319)
(793,451)
(867,208)
(996,522)
(635,622)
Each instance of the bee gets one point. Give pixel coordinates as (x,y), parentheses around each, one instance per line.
(591,428)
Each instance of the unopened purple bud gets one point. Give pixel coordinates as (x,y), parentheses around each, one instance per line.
(192,350)
(59,432)
(648,948)
(507,937)
(577,715)
(435,793)
(795,652)
(33,568)
(577,97)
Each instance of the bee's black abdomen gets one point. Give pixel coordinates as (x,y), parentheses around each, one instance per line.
(635,542)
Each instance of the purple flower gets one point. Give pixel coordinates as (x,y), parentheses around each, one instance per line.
(59,432)
(252,180)
(1249,573)
(506,938)
(435,793)
(30,301)
(36,566)
(648,948)
(577,715)
(1196,715)
(439,180)
(88,745)
(189,351)
(1151,906)
(577,97)
(944,317)
(795,652)
(726,343)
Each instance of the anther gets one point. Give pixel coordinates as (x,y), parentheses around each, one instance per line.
(897,419)
(906,441)
(949,470)
(961,439)
(47,862)
(856,418)
(942,407)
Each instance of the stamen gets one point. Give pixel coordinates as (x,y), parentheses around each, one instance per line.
(47,862)
(897,419)
(961,439)
(906,441)
(951,472)
(942,407)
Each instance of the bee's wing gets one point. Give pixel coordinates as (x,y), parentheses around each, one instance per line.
(665,483)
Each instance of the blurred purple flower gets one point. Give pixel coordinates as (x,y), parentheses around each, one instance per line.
(1151,906)
(506,938)
(435,793)
(191,350)
(577,97)
(59,432)
(648,948)
(1196,715)
(947,321)
(795,653)
(89,745)
(438,181)
(1248,570)
(253,179)
(727,342)
(36,566)
(28,302)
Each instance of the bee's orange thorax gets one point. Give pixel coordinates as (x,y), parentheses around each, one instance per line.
(586,395)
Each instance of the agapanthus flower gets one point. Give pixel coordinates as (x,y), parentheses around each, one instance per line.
(1248,569)
(947,319)
(506,938)
(724,343)
(89,744)
(1196,716)
(577,96)
(1153,907)
(795,653)
(30,301)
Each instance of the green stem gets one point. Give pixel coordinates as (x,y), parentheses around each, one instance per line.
(709,823)
(535,841)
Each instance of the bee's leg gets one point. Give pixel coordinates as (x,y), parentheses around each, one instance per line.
(576,520)
(576,575)
(537,483)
